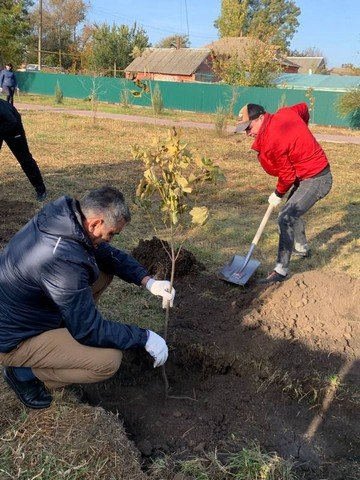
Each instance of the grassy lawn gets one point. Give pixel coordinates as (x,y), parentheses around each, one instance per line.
(74,155)
(80,104)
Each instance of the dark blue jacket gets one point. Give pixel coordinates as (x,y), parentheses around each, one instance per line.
(7,79)
(46,273)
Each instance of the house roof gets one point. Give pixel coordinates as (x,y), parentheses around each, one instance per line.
(172,61)
(333,83)
(308,63)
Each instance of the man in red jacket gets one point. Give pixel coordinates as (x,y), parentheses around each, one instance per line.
(288,150)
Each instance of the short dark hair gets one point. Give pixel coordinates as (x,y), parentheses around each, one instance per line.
(9,65)
(109,202)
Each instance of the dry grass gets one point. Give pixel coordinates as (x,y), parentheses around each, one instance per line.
(79,441)
(67,441)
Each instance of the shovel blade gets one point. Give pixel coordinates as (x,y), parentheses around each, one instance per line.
(234,271)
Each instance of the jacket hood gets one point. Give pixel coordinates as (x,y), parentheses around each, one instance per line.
(62,218)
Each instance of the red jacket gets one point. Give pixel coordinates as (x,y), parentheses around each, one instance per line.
(286,147)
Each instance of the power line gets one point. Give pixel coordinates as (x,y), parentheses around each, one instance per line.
(187,19)
(116,15)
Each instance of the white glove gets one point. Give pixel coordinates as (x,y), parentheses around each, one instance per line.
(274,200)
(162,289)
(157,348)
(0,89)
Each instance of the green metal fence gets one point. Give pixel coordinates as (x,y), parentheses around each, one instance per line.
(195,97)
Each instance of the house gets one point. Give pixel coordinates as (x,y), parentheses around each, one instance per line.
(240,47)
(309,65)
(172,65)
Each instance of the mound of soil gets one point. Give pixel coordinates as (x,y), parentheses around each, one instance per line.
(276,364)
(153,254)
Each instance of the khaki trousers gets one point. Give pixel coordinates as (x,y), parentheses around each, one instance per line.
(57,359)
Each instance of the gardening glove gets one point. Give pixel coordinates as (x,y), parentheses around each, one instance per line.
(157,348)
(274,200)
(0,89)
(162,289)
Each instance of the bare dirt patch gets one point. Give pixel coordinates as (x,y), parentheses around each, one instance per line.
(277,364)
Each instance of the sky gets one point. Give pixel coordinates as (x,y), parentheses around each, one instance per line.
(331,26)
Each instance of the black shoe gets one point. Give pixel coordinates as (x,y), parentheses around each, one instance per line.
(306,254)
(273,277)
(40,197)
(31,393)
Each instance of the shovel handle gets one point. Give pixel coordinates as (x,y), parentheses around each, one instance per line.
(262,224)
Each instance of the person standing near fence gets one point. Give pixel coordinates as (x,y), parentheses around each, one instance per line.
(13,134)
(8,83)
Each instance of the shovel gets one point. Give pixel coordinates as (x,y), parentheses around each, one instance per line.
(240,269)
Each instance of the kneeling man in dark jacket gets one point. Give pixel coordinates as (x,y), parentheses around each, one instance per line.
(52,273)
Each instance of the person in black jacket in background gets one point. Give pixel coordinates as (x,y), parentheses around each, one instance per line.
(52,272)
(8,83)
(13,134)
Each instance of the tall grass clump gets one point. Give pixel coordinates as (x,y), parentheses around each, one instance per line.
(126,98)
(349,106)
(221,116)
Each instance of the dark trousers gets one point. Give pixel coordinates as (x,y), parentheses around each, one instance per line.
(9,92)
(292,228)
(16,141)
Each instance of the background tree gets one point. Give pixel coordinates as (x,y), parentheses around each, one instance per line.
(233,18)
(112,47)
(14,30)
(257,68)
(272,20)
(307,52)
(173,41)
(61,20)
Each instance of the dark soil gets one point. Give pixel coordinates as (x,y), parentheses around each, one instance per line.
(154,254)
(278,365)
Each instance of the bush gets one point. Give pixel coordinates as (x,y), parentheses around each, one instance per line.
(157,100)
(349,106)
(59,96)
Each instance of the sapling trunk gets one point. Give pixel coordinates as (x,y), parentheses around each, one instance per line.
(167,311)
(173,173)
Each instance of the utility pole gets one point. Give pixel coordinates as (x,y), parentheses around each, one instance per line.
(40,35)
